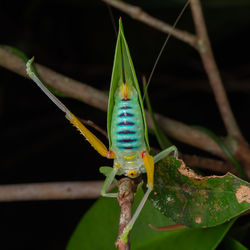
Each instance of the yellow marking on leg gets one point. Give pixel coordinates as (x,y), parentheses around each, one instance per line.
(90,137)
(149,165)
(129,157)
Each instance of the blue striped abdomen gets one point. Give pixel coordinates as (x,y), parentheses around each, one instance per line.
(127,132)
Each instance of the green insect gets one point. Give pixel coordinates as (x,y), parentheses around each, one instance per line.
(126,125)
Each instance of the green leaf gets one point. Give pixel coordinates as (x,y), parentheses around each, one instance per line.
(197,201)
(190,239)
(231,244)
(123,63)
(99,226)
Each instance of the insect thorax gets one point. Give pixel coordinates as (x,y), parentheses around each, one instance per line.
(131,166)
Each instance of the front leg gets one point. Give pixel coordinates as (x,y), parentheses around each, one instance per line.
(108,181)
(149,165)
(165,153)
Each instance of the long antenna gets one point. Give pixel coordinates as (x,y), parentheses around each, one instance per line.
(163,47)
(111,14)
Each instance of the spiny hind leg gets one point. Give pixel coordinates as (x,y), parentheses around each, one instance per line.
(165,153)
(90,137)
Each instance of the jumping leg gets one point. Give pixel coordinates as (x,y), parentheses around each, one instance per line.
(90,137)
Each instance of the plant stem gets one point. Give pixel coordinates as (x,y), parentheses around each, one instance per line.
(50,191)
(126,190)
(138,14)
(199,162)
(96,127)
(96,98)
(210,66)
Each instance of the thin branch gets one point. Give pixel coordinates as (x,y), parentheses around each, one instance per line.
(126,191)
(88,189)
(202,44)
(138,14)
(199,162)
(185,134)
(64,84)
(207,57)
(96,98)
(51,191)
(93,125)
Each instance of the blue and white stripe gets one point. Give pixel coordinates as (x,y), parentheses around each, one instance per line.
(127,125)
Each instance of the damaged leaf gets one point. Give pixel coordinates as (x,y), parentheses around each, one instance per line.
(99,227)
(197,201)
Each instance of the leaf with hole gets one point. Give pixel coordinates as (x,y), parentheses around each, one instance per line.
(197,201)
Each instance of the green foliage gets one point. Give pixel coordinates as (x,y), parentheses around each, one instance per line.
(180,194)
(231,244)
(99,226)
(197,201)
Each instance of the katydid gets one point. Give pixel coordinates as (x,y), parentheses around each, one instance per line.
(126,125)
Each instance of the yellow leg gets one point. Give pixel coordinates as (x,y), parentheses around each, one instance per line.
(149,165)
(93,140)
(90,137)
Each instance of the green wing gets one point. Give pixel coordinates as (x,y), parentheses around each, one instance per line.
(121,45)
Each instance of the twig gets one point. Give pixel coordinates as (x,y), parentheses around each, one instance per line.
(88,189)
(199,162)
(98,99)
(51,191)
(93,125)
(138,14)
(125,198)
(64,84)
(202,44)
(207,57)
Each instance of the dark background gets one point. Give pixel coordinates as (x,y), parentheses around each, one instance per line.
(76,38)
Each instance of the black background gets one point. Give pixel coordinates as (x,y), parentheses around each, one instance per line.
(76,38)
